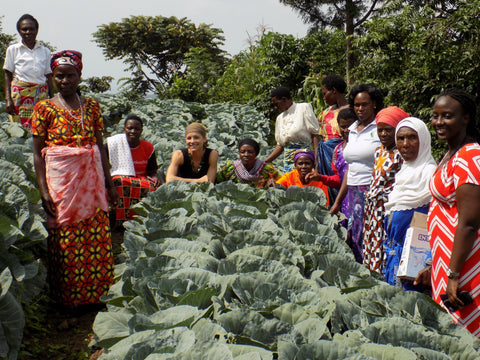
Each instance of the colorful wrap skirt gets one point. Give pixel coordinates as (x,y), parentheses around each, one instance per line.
(25,95)
(130,189)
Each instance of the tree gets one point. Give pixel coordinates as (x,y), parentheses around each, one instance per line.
(154,48)
(97,84)
(5,40)
(416,53)
(348,15)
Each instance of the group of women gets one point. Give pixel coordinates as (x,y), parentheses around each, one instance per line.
(381,165)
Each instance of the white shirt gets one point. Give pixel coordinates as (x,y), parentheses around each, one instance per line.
(360,153)
(29,65)
(296,124)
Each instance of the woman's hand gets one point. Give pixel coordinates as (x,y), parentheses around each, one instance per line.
(424,277)
(9,107)
(336,207)
(48,205)
(452,287)
(112,196)
(155,181)
(313,175)
(203,179)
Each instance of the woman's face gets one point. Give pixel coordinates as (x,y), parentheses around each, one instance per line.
(329,96)
(247,155)
(408,143)
(28,31)
(386,134)
(364,107)
(304,165)
(195,141)
(66,79)
(344,124)
(133,129)
(448,119)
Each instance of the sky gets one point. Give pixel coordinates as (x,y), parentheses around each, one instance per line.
(70,25)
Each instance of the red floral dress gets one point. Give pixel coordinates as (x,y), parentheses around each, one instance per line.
(80,259)
(463,168)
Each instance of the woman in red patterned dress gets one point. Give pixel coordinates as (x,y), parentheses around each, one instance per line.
(72,174)
(454,215)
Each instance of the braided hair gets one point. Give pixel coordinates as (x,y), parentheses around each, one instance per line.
(469,107)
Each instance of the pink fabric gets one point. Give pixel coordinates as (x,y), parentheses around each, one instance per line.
(75,182)
(391,115)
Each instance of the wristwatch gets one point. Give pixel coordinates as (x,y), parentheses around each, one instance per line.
(451,274)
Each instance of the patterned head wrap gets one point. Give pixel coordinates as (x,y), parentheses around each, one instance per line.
(196,128)
(391,115)
(304,152)
(67,57)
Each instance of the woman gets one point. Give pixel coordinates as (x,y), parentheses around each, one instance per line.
(72,172)
(134,167)
(248,168)
(454,215)
(28,77)
(303,175)
(366,101)
(410,192)
(196,163)
(295,128)
(333,89)
(387,163)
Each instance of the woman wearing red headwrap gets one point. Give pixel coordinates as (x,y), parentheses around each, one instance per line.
(74,182)
(387,163)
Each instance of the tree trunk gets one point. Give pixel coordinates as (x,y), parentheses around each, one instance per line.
(349,30)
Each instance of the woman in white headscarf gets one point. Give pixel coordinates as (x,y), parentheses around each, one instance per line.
(410,192)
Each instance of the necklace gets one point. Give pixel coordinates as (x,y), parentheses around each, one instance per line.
(60,97)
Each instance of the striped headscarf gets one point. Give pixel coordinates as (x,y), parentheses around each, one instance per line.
(67,57)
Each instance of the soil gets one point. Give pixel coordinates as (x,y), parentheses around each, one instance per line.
(53,335)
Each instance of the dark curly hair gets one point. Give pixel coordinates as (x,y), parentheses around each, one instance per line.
(469,107)
(372,90)
(281,92)
(334,82)
(133,117)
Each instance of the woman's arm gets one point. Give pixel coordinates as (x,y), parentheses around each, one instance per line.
(172,171)
(50,85)
(274,154)
(337,205)
(468,205)
(111,191)
(212,166)
(40,171)
(9,107)
(315,140)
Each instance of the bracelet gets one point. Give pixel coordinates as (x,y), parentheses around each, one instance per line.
(451,274)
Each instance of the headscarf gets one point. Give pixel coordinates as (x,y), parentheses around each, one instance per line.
(410,190)
(391,115)
(67,57)
(196,127)
(304,152)
(247,176)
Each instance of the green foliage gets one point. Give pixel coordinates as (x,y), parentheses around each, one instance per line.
(279,60)
(5,40)
(154,48)
(231,272)
(22,236)
(97,84)
(413,55)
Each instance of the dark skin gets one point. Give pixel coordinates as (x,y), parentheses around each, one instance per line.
(247,156)
(450,123)
(364,108)
(67,79)
(28,32)
(133,129)
(386,134)
(283,104)
(304,166)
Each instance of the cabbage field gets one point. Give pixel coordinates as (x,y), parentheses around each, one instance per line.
(221,271)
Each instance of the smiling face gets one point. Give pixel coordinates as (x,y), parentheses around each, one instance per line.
(28,32)
(386,134)
(344,124)
(449,120)
(304,165)
(408,143)
(247,156)
(66,79)
(133,129)
(195,141)
(364,107)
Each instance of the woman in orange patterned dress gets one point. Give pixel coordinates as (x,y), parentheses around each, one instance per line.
(454,215)
(74,180)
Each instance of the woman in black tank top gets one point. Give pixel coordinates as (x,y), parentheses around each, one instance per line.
(196,162)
